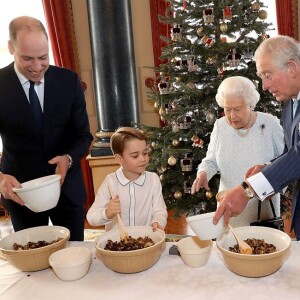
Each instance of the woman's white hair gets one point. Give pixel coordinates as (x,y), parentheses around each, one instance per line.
(237,87)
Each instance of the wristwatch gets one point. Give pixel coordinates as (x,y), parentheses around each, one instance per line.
(248,191)
(70,161)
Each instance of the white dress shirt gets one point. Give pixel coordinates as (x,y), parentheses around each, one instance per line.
(141,200)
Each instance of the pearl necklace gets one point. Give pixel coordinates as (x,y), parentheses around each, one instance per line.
(248,127)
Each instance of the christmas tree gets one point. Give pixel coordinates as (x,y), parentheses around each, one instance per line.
(209,41)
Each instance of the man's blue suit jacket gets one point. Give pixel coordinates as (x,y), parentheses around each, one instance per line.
(286,168)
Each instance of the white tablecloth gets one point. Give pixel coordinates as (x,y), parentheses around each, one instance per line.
(169,278)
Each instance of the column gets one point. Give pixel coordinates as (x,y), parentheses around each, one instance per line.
(113,68)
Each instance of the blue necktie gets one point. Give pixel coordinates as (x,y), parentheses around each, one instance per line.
(35,106)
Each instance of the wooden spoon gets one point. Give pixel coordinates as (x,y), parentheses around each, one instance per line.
(243,246)
(122,229)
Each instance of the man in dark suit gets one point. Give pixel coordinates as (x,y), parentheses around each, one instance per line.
(56,145)
(278,66)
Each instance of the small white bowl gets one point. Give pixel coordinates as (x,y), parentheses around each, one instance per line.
(203,226)
(40,194)
(71,263)
(194,252)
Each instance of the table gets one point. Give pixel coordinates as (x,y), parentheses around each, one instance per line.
(169,278)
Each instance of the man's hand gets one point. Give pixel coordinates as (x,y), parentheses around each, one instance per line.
(200,182)
(7,182)
(62,166)
(114,207)
(254,170)
(232,204)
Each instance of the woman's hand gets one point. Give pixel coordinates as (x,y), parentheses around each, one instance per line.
(200,182)
(254,170)
(114,207)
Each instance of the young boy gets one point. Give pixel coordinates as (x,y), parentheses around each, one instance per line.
(137,194)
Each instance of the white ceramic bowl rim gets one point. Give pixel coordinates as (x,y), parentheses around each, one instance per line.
(84,257)
(37,183)
(28,231)
(184,243)
(103,237)
(201,216)
(265,256)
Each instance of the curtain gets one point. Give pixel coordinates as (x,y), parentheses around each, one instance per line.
(158,8)
(60,25)
(287,17)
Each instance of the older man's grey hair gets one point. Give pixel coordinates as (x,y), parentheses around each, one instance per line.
(236,88)
(280,49)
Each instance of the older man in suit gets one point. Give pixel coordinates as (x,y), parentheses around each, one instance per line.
(278,65)
(54,144)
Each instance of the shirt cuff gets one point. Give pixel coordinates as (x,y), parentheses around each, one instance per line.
(104,216)
(261,186)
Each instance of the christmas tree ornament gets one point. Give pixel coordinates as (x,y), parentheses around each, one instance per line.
(175,143)
(172,161)
(162,111)
(150,149)
(191,85)
(223,39)
(227,15)
(164,86)
(255,6)
(187,187)
(209,194)
(156,104)
(223,27)
(154,144)
(175,127)
(192,66)
(199,31)
(248,53)
(186,164)
(162,169)
(177,195)
(233,59)
(167,107)
(211,117)
(264,36)
(207,41)
(184,122)
(182,63)
(211,60)
(162,177)
(197,142)
(176,34)
(174,104)
(262,14)
(208,15)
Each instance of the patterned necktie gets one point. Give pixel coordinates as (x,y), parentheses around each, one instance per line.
(35,106)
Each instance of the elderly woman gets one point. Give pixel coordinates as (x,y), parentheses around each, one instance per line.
(239,140)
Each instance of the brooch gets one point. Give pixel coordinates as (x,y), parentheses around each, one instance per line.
(262,127)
